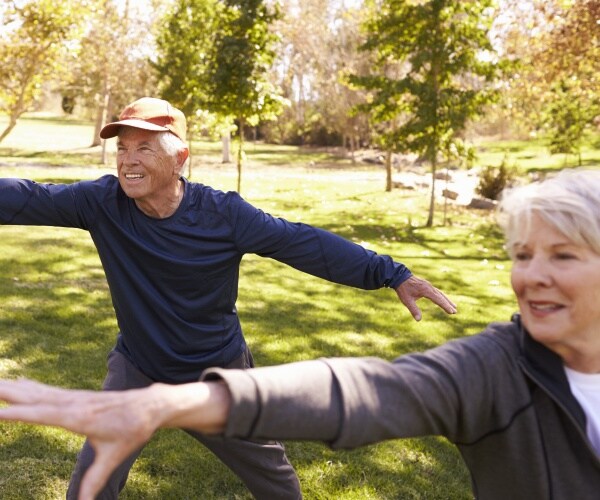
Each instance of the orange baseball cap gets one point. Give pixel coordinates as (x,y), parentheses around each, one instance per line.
(148,113)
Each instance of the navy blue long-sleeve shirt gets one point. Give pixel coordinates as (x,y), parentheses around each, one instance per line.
(174,281)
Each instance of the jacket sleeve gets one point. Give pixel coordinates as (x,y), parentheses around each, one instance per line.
(462,390)
(312,250)
(26,202)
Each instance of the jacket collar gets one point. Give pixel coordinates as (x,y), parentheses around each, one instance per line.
(546,368)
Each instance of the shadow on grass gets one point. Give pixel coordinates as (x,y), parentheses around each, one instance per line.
(59,325)
(54,321)
(393,469)
(35,462)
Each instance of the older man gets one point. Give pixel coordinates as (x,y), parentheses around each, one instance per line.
(171,251)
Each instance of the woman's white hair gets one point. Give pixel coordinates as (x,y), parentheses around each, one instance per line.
(569,201)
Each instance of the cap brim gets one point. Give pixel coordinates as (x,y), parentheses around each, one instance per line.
(112,129)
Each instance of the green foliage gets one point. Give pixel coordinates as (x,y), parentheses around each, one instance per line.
(569,63)
(558,45)
(432,76)
(568,115)
(493,180)
(216,56)
(185,46)
(110,69)
(34,38)
(238,81)
(213,62)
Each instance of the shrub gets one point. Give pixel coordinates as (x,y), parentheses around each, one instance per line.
(493,180)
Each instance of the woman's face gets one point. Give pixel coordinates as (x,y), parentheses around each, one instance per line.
(557,284)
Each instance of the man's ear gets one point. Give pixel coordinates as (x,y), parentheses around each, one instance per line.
(182,156)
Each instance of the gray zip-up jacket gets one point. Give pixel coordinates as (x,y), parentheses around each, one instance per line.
(500,397)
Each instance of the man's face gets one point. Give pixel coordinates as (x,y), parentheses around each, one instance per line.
(146,172)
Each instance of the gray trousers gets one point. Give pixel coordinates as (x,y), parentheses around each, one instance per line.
(262,466)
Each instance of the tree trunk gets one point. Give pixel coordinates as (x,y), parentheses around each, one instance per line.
(97,126)
(226,148)
(434,145)
(8,128)
(388,171)
(96,141)
(16,110)
(432,201)
(445,197)
(240,156)
(102,114)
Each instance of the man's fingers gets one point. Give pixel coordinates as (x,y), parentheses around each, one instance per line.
(415,288)
(416,313)
(413,308)
(441,300)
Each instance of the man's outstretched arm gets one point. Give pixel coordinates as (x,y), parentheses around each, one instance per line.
(329,256)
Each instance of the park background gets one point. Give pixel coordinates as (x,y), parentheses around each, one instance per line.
(392,123)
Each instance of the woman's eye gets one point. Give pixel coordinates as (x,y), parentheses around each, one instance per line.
(565,256)
(521,256)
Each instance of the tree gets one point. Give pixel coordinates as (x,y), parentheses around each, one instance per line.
(113,69)
(557,45)
(318,46)
(185,47)
(566,120)
(435,63)
(571,65)
(341,58)
(36,35)
(238,83)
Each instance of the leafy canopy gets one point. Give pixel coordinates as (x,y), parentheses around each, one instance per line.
(238,80)
(34,38)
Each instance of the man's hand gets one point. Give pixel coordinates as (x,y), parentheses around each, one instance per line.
(116,423)
(414,289)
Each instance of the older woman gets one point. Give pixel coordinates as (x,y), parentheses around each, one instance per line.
(521,400)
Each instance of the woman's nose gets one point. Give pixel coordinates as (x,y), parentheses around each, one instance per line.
(538,271)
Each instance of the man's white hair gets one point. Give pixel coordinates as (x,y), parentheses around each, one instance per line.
(172,145)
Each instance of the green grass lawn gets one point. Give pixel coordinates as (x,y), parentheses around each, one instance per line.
(58,324)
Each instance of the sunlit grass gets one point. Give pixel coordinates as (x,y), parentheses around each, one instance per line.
(58,323)
(58,326)
(533,157)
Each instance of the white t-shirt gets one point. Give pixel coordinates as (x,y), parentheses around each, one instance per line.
(586,389)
